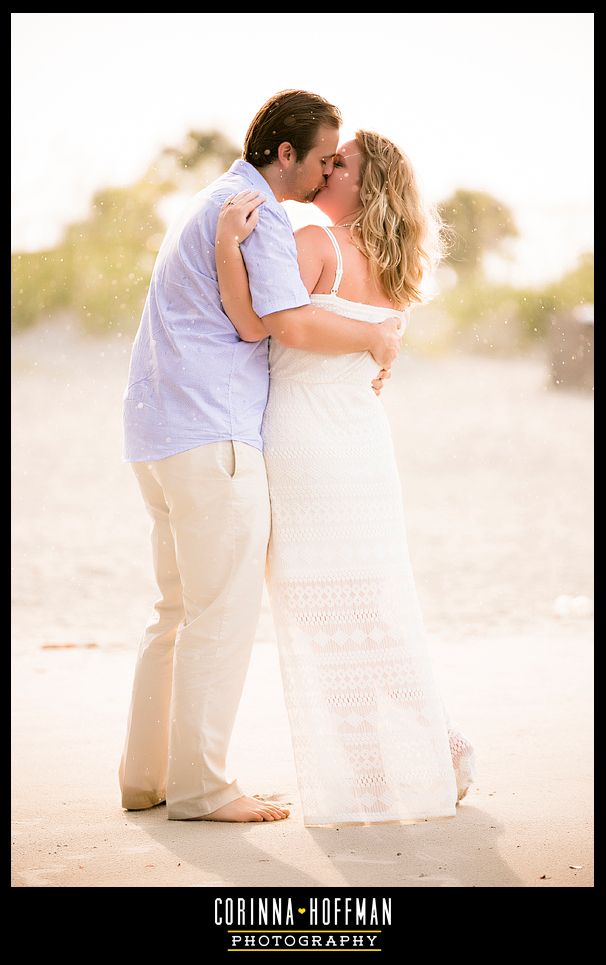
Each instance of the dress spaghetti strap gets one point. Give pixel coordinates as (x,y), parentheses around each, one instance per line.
(339,271)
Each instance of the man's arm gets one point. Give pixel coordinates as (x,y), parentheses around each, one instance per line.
(306,326)
(318,330)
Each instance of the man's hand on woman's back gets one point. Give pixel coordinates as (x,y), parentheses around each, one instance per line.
(387,341)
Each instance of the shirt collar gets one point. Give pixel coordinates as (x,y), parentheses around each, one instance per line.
(252,174)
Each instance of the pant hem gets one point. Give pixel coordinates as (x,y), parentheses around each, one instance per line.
(204,806)
(139,801)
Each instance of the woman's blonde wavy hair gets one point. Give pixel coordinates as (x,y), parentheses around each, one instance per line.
(401,236)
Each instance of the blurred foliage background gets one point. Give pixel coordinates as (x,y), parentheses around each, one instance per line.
(101,269)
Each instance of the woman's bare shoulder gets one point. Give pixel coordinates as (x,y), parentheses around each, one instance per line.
(312,232)
(311,228)
(312,241)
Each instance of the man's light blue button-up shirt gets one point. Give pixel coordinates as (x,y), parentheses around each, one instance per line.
(192,379)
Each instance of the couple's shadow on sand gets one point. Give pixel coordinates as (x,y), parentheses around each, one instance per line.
(458,852)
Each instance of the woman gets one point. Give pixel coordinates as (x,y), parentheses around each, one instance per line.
(370,733)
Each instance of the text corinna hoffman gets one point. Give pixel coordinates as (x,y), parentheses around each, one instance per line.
(272,912)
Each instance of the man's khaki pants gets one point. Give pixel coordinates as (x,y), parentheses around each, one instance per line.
(211,525)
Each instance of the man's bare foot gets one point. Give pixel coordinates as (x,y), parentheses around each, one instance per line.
(246,809)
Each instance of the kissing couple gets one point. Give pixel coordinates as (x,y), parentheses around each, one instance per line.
(255,428)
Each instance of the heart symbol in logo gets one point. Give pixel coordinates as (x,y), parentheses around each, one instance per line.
(301,910)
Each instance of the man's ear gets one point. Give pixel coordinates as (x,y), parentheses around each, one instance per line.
(286,152)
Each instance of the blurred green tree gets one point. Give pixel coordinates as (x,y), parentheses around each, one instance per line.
(203,153)
(41,285)
(101,268)
(576,287)
(489,315)
(478,223)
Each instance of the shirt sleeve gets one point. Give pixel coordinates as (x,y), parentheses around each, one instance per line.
(270,256)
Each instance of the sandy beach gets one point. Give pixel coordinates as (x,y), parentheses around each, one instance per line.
(497,483)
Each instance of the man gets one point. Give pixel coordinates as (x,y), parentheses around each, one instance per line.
(193,410)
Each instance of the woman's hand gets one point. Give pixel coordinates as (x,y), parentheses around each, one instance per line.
(238,217)
(377,384)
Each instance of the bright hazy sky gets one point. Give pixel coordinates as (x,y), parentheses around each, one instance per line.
(497,102)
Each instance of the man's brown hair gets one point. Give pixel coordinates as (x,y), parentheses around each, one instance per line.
(290,115)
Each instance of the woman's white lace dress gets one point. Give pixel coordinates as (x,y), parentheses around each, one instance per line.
(370,733)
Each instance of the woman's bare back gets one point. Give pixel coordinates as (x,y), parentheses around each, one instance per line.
(357,284)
